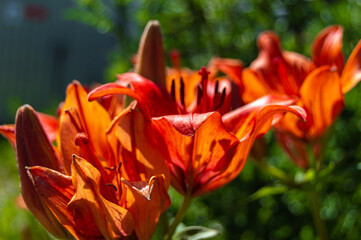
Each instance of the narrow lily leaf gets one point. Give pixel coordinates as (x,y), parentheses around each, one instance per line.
(113,221)
(267,191)
(351,73)
(146,201)
(195,233)
(327,47)
(151,60)
(34,149)
(8,131)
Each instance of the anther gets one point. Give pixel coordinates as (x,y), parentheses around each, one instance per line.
(221,100)
(182,91)
(110,168)
(172,90)
(216,87)
(111,185)
(199,94)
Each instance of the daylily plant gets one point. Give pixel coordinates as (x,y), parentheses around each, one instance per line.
(92,184)
(320,84)
(206,150)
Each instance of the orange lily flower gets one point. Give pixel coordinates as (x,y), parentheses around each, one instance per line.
(90,185)
(206,150)
(319,83)
(209,150)
(184,115)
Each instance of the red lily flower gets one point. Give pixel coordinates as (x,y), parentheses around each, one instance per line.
(319,83)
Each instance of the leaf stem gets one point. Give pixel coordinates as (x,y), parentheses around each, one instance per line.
(315,210)
(187,200)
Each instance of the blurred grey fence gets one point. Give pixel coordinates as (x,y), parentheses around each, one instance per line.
(41,52)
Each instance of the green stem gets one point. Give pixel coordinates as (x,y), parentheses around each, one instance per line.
(315,209)
(187,200)
(277,173)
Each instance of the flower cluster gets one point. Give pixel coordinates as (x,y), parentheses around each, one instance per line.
(102,168)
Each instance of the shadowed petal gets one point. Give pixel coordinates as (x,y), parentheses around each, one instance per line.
(56,190)
(81,116)
(113,221)
(143,153)
(146,200)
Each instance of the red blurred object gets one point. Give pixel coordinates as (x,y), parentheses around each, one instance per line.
(35,12)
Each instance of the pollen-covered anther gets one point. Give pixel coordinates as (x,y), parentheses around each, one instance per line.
(81,138)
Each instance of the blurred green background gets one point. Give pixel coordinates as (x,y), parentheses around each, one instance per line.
(201,29)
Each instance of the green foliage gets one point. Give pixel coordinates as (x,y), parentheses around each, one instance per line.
(201,29)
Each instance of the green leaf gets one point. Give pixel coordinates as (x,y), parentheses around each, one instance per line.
(267,191)
(195,233)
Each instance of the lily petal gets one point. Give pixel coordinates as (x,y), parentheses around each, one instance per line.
(113,221)
(322,98)
(56,190)
(351,74)
(196,143)
(241,122)
(237,156)
(327,47)
(8,131)
(142,154)
(255,86)
(77,118)
(231,67)
(50,125)
(141,89)
(146,200)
